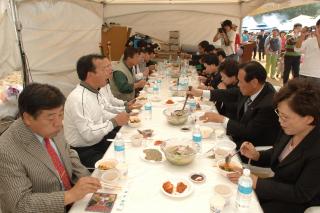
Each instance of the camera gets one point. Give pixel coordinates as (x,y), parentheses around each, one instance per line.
(220,30)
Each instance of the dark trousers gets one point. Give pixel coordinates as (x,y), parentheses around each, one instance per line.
(291,63)
(282,207)
(89,155)
(261,52)
(254,52)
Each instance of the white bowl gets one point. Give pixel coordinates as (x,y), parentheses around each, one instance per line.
(234,165)
(223,190)
(223,148)
(206,131)
(110,176)
(136,140)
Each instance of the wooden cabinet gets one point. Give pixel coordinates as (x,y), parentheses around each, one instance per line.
(117,37)
(247,52)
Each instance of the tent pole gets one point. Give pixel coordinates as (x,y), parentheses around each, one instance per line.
(18,27)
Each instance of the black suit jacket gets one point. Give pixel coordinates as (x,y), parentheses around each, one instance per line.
(259,124)
(228,109)
(297,177)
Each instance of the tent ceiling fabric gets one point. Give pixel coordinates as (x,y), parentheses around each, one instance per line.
(57,32)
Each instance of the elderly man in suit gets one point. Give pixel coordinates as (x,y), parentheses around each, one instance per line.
(256,120)
(39,172)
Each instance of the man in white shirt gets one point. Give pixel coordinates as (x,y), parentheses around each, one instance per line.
(227,36)
(311,49)
(87,122)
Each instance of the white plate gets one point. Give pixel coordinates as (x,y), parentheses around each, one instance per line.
(156,99)
(143,155)
(96,165)
(175,194)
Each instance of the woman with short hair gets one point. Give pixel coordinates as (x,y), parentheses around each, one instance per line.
(295,157)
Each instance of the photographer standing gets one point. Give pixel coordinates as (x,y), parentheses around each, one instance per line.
(292,57)
(311,50)
(227,37)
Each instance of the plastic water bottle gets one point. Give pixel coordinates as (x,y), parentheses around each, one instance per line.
(244,190)
(192,105)
(119,148)
(148,110)
(159,82)
(155,89)
(197,138)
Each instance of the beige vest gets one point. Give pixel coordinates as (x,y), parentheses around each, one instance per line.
(131,80)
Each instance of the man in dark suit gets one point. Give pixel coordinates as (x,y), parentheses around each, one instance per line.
(256,120)
(39,171)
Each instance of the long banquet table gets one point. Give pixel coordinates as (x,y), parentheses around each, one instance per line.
(141,192)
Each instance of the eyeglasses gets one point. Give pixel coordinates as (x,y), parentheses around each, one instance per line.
(280,115)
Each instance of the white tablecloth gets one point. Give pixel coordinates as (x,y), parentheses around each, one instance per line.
(142,189)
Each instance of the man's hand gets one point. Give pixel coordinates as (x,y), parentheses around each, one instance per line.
(212,117)
(122,118)
(140,84)
(84,186)
(195,92)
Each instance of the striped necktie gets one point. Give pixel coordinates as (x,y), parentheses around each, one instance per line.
(58,164)
(247,104)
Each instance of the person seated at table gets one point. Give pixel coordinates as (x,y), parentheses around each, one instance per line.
(141,71)
(210,49)
(221,55)
(113,104)
(123,83)
(195,59)
(213,77)
(39,171)
(148,58)
(255,120)
(87,122)
(229,77)
(295,156)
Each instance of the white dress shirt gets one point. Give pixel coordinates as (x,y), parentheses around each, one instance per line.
(113,104)
(311,62)
(86,119)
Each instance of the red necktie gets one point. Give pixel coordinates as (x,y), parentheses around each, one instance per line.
(58,165)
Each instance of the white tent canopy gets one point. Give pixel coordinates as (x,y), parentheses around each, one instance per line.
(57,32)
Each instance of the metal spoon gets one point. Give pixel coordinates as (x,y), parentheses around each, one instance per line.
(185,102)
(228,157)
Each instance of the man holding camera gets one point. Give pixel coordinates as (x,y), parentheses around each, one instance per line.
(227,37)
(311,50)
(292,57)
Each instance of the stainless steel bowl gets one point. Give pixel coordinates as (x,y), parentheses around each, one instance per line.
(175,119)
(179,152)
